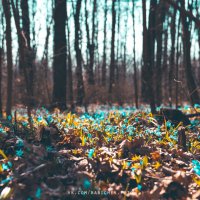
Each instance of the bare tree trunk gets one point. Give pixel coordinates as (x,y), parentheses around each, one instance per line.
(112,57)
(1,62)
(45,59)
(125,38)
(59,61)
(90,42)
(69,72)
(104,45)
(193,91)
(134,60)
(2,39)
(118,62)
(177,63)
(26,21)
(165,66)
(159,34)
(171,65)
(6,7)
(144,56)
(148,54)
(80,85)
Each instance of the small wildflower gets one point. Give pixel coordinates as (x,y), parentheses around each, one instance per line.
(91,153)
(38,193)
(139,187)
(86,183)
(168,124)
(19,153)
(9,117)
(196,167)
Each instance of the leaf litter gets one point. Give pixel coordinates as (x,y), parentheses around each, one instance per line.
(122,153)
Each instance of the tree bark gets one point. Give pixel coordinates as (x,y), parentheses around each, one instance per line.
(1,62)
(69,72)
(148,52)
(80,85)
(59,61)
(144,55)
(112,57)
(6,7)
(134,60)
(192,87)
(104,45)
(90,42)
(171,66)
(159,34)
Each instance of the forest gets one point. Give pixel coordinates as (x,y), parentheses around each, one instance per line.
(99,99)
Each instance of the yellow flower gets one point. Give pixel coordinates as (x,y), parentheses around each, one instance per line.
(156,165)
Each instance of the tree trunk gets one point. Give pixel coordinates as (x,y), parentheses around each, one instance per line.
(26,21)
(118,62)
(194,96)
(104,45)
(59,61)
(165,66)
(6,7)
(159,34)
(69,72)
(148,54)
(134,60)
(90,42)
(112,57)
(144,55)
(125,39)
(177,64)
(80,85)
(171,65)
(1,62)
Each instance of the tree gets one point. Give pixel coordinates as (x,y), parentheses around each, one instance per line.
(104,45)
(6,7)
(1,63)
(112,56)
(29,54)
(193,92)
(148,52)
(159,33)
(134,59)
(90,42)
(80,85)
(172,63)
(69,69)
(59,60)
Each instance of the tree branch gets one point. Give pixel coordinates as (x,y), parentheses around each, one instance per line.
(184,12)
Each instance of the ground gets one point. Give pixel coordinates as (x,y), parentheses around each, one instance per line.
(108,153)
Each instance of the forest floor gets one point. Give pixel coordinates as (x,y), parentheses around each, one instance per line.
(120,153)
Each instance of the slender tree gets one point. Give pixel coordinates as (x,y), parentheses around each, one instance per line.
(134,58)
(159,35)
(1,63)
(29,54)
(2,38)
(124,43)
(172,56)
(90,42)
(59,61)
(192,87)
(69,71)
(7,12)
(117,63)
(104,44)
(144,54)
(112,57)
(148,51)
(80,85)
